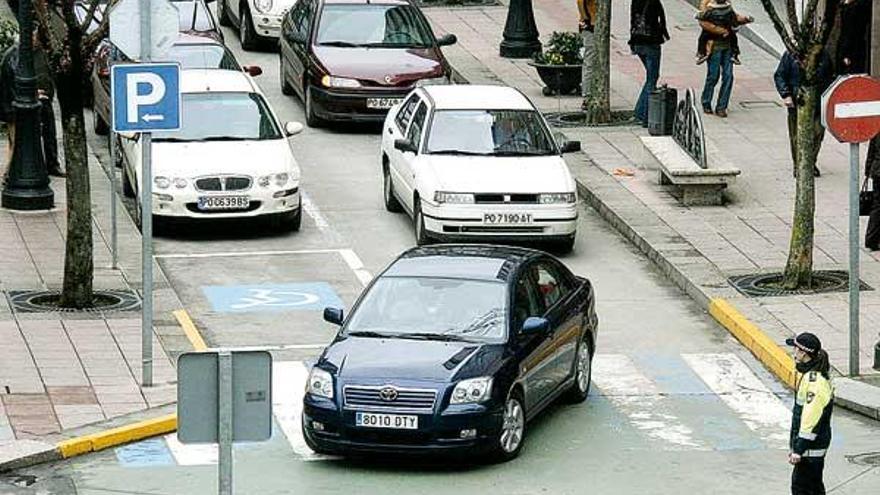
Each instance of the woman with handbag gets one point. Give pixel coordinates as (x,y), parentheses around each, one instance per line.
(647,32)
(872,170)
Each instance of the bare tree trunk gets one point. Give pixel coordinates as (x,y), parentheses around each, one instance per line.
(597,94)
(78,263)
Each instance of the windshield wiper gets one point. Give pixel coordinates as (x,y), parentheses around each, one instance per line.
(223,138)
(382,44)
(173,140)
(457,152)
(442,337)
(521,153)
(370,334)
(340,43)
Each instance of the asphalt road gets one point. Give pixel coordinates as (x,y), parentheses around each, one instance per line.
(677,405)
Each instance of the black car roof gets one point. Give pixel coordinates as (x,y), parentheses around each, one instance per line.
(471,261)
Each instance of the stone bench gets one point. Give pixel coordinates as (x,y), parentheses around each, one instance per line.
(694,186)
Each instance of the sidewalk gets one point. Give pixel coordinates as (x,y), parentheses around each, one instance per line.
(62,371)
(698,247)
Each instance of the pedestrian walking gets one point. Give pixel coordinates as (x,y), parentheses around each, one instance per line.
(647,32)
(721,54)
(872,171)
(852,49)
(787,78)
(587,28)
(7,112)
(811,415)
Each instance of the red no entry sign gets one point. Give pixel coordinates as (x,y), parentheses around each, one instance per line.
(851,108)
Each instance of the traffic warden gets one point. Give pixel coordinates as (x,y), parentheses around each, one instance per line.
(811,416)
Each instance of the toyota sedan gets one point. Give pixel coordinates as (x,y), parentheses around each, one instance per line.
(452,349)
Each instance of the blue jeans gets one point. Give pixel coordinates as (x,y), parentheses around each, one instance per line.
(650,57)
(719,64)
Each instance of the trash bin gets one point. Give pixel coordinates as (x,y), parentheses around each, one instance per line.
(662,103)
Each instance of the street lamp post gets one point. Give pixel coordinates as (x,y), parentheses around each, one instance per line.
(520,31)
(27,184)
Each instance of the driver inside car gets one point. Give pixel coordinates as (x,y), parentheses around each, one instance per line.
(508,135)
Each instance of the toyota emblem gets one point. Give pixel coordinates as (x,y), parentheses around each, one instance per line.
(388,394)
(388,79)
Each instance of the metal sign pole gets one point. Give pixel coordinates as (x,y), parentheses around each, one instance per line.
(114,253)
(146,219)
(854,259)
(224,422)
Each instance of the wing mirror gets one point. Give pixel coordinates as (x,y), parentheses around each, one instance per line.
(447,39)
(293,128)
(253,70)
(534,325)
(333,315)
(404,145)
(571,146)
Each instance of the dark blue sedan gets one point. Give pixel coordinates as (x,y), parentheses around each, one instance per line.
(452,348)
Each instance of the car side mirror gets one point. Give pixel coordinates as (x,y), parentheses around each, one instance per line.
(293,128)
(571,146)
(253,70)
(447,39)
(333,315)
(404,145)
(535,325)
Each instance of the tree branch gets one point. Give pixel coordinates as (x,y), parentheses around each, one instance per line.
(780,28)
(810,15)
(54,46)
(67,13)
(827,25)
(90,16)
(791,12)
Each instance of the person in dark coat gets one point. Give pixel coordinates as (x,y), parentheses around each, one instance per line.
(647,32)
(872,171)
(7,95)
(787,78)
(852,50)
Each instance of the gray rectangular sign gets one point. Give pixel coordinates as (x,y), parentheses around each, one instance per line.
(197,396)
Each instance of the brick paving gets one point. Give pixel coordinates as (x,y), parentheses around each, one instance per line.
(750,234)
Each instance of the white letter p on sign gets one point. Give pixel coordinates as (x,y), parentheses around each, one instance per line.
(135,100)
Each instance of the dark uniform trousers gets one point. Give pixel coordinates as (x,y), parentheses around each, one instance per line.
(48,134)
(806,478)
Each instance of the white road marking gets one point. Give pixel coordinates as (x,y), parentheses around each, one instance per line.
(739,388)
(640,399)
(857,109)
(312,210)
(288,387)
(191,454)
(357,266)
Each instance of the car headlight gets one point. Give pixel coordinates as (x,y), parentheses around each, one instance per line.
(160,182)
(472,391)
(278,179)
(556,198)
(180,182)
(281,179)
(454,198)
(433,81)
(263,6)
(339,82)
(320,383)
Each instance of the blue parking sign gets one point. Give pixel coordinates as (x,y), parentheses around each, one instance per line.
(145,97)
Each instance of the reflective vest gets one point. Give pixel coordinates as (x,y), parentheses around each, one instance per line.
(811,416)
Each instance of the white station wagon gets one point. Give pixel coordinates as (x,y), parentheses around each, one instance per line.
(477,162)
(231,158)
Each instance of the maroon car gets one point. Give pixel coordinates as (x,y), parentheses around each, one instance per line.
(352,60)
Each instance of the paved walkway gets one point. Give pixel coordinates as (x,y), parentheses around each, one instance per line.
(60,371)
(703,245)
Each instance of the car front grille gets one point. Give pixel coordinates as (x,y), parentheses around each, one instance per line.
(373,399)
(501,198)
(226,183)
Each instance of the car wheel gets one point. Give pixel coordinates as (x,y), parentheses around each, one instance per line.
(312,119)
(223,14)
(246,30)
(100,125)
(127,189)
(391,202)
(422,237)
(513,429)
(583,372)
(286,88)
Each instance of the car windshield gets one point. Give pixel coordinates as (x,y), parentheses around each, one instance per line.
(432,308)
(397,26)
(207,56)
(489,132)
(193,16)
(223,117)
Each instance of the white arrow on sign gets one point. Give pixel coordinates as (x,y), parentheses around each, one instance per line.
(149,117)
(857,110)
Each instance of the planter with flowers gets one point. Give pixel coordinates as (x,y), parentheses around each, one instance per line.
(559,65)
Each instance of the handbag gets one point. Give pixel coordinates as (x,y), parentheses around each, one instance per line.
(866,199)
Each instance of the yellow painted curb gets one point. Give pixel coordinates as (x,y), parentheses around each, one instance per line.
(118,436)
(750,335)
(192,333)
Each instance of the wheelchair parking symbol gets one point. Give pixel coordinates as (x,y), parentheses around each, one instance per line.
(313,296)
